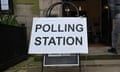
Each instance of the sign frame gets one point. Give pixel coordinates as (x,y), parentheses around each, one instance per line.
(74,60)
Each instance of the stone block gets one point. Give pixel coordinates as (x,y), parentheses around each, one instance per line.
(24,10)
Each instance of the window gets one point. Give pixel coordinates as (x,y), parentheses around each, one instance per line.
(6,6)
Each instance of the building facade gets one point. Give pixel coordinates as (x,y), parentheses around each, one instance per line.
(96,11)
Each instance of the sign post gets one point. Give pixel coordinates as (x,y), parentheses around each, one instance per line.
(59,35)
(60,39)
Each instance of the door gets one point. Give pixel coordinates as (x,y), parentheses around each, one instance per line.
(106,23)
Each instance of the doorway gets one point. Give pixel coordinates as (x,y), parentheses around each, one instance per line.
(98,19)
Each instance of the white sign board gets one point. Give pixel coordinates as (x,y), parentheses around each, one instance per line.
(58,35)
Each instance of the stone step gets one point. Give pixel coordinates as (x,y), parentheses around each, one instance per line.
(87,57)
(89,66)
(99,57)
(100,63)
(96,60)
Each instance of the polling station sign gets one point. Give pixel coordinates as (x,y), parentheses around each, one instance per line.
(58,35)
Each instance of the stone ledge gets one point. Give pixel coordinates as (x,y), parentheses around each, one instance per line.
(89,57)
(99,57)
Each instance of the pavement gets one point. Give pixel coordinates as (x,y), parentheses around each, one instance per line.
(87,65)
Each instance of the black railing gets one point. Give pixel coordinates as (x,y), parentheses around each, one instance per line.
(13,45)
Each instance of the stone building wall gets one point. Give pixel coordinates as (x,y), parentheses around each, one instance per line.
(25,10)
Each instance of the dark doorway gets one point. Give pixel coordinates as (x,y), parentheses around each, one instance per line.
(69,11)
(99,29)
(106,23)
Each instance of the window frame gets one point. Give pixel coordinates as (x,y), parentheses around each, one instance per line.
(10,8)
